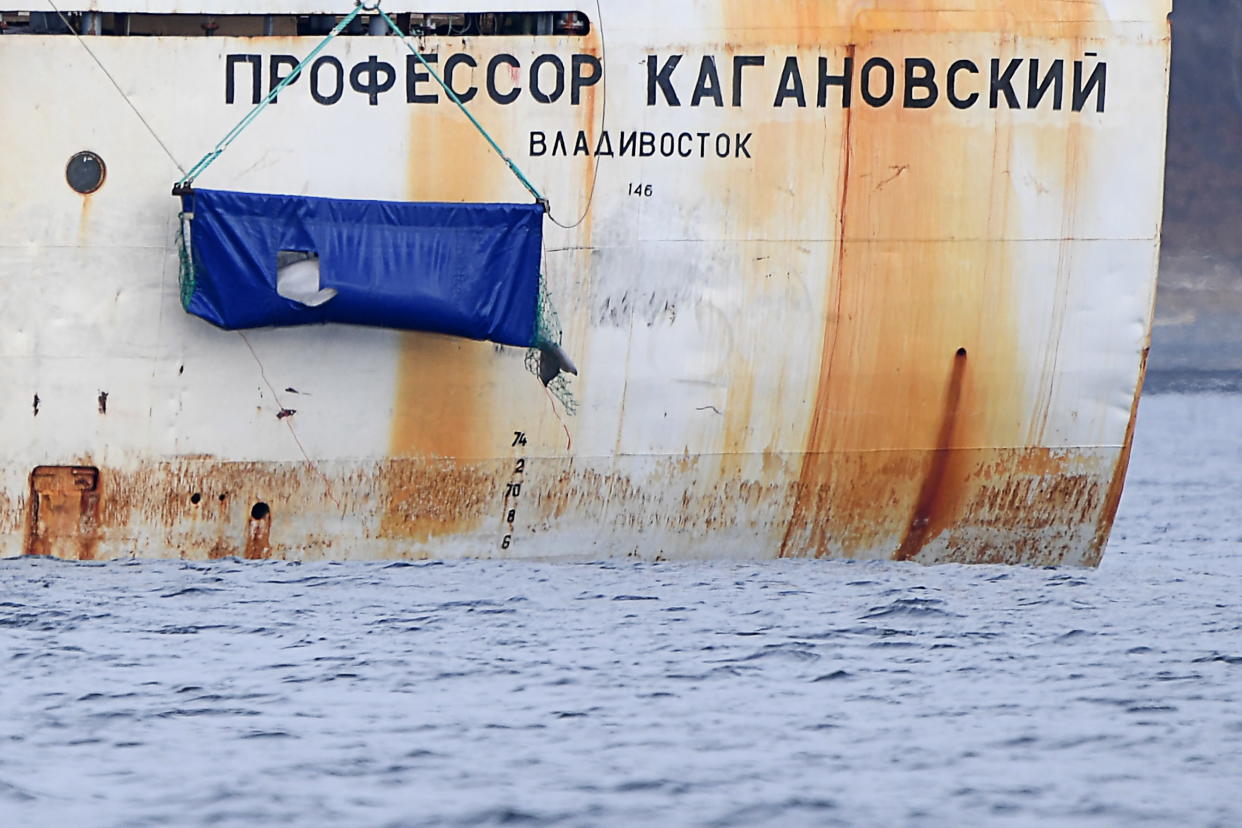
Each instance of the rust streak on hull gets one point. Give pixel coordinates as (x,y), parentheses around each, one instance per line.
(930,508)
(1031,506)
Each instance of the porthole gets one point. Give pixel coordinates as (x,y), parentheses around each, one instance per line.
(85,172)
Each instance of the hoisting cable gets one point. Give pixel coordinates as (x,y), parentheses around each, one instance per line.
(206,161)
(69,27)
(545,353)
(603,126)
(453,97)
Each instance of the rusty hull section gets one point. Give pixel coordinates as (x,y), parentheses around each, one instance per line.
(202,509)
(890,334)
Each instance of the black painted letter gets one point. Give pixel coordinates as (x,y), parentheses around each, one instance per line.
(886,95)
(845,80)
(661,79)
(791,84)
(920,74)
(582,78)
(452,63)
(957,68)
(320,98)
(493,91)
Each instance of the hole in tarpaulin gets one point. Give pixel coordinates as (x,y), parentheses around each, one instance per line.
(297,278)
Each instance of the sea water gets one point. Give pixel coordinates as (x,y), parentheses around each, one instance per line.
(776,693)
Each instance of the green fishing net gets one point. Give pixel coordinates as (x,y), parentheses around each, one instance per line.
(185,275)
(548,334)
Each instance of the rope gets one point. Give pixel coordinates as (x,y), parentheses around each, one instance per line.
(208,159)
(359,6)
(603,124)
(453,97)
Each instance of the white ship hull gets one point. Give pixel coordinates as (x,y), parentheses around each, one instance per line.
(883,331)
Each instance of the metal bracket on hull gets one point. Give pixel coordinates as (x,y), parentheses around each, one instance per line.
(64,512)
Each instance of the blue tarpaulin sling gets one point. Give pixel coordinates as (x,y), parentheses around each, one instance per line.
(473,270)
(468,270)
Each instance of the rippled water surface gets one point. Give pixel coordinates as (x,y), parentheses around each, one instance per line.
(787,693)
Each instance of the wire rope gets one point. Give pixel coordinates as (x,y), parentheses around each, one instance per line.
(117,86)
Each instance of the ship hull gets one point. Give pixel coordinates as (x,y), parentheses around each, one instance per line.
(912,327)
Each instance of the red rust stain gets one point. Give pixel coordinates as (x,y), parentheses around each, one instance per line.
(456,402)
(1036,520)
(443,401)
(423,499)
(156,505)
(1017,512)
(449,160)
(801,23)
(84,218)
(910,285)
(445,398)
(930,506)
(258,534)
(219,550)
(738,417)
(812,476)
(589,117)
(63,518)
(13,515)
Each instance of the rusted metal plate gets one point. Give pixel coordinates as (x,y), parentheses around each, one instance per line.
(64,512)
(911,327)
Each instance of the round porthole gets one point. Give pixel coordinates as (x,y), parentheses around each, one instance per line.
(85,172)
